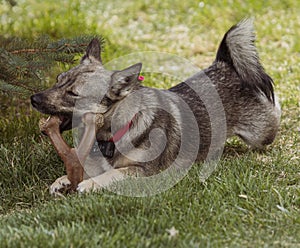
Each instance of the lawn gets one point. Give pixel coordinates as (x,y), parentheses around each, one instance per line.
(251,200)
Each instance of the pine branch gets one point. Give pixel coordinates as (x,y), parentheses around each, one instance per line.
(8,89)
(12,3)
(23,63)
(66,47)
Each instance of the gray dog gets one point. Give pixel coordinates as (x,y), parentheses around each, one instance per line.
(147,130)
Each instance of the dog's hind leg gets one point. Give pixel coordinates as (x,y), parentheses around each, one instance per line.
(260,128)
(257,138)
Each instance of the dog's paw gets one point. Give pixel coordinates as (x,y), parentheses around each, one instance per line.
(88,185)
(99,182)
(60,185)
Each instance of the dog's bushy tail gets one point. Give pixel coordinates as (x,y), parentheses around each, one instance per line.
(238,50)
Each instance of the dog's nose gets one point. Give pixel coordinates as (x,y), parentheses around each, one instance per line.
(36,100)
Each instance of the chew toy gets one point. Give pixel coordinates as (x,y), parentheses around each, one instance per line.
(73,158)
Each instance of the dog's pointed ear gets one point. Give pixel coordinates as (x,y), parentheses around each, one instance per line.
(123,82)
(93,51)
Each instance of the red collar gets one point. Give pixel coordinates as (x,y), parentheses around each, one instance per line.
(121,132)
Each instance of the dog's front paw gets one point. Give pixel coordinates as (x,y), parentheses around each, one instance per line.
(61,184)
(87,185)
(99,182)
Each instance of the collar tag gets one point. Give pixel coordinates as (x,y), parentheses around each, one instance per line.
(107,148)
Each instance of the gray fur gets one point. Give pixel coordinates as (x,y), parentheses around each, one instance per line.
(158,134)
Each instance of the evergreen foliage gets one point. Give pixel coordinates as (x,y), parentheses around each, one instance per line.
(11,2)
(23,63)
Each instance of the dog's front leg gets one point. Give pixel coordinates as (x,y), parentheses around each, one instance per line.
(107,178)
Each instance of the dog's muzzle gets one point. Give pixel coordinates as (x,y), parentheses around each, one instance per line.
(37,101)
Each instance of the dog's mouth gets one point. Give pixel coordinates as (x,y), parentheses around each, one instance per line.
(66,122)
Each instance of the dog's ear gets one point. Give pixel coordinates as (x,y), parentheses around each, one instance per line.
(123,82)
(93,51)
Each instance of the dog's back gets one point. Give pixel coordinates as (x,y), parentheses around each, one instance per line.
(246,90)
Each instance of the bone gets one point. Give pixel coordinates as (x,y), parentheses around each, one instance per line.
(73,158)
(93,122)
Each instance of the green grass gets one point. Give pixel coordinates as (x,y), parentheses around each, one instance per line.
(251,200)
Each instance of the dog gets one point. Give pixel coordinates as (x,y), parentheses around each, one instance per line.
(146,129)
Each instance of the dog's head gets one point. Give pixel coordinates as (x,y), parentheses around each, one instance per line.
(87,87)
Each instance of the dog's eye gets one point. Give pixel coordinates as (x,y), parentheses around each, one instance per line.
(71,93)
